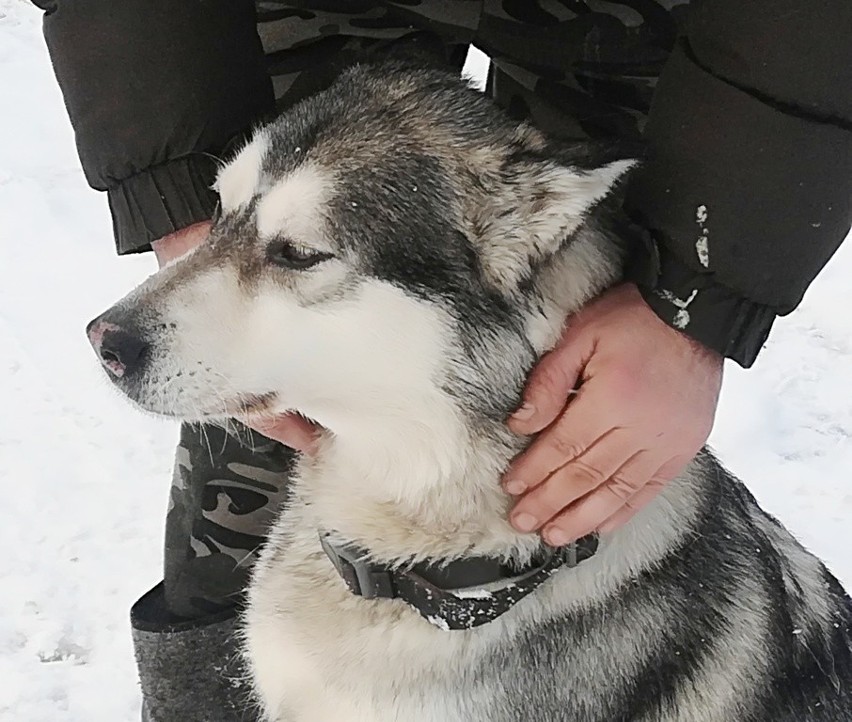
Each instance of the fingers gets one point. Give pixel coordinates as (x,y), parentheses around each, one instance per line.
(291,430)
(557,446)
(624,491)
(583,473)
(550,384)
(632,506)
(646,405)
(645,495)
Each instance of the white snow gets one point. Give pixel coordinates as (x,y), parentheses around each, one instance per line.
(682,317)
(472,593)
(84,477)
(439,622)
(702,245)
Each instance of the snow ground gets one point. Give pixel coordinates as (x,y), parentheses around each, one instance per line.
(85,477)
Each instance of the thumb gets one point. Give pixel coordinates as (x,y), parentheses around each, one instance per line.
(551,382)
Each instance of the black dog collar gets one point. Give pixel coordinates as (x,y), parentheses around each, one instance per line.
(450,595)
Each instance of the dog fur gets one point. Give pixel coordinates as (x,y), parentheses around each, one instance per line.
(391,258)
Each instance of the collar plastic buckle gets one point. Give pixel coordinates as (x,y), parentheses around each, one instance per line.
(363,578)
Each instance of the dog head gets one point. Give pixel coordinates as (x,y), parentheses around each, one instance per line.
(380,247)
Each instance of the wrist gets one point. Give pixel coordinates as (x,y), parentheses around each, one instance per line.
(696,304)
(698,347)
(161,199)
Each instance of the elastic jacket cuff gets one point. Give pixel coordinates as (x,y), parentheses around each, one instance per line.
(693,303)
(769,190)
(161,200)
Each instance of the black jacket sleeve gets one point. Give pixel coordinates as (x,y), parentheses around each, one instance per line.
(748,188)
(155,89)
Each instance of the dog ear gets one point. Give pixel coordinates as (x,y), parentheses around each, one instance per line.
(537,201)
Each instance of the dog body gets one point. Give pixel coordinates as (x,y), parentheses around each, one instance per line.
(392,257)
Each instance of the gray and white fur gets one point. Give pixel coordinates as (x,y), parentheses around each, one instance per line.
(391,258)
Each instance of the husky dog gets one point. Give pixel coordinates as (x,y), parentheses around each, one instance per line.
(390,259)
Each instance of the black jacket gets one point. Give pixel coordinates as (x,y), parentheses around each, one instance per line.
(747,191)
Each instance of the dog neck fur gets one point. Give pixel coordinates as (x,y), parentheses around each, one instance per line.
(418,476)
(423,480)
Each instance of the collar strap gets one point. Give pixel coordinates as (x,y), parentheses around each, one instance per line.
(450,595)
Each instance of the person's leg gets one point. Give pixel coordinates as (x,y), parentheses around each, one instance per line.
(580,70)
(584,70)
(226,490)
(308,46)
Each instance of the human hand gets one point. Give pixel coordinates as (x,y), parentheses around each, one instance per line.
(181,242)
(645,404)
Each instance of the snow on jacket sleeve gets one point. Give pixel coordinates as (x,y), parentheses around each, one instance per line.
(154,90)
(748,188)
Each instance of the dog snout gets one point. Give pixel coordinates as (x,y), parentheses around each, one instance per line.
(122,352)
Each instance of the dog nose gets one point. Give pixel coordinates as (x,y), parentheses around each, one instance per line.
(120,351)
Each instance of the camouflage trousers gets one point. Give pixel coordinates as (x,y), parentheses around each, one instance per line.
(226,490)
(576,68)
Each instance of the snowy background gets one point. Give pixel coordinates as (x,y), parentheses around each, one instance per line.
(84,478)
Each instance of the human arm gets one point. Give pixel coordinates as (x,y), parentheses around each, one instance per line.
(747,194)
(747,189)
(155,89)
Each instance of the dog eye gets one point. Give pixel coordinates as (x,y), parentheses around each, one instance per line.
(288,255)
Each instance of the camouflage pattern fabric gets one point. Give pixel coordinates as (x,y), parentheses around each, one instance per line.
(226,490)
(575,68)
(578,68)
(308,43)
